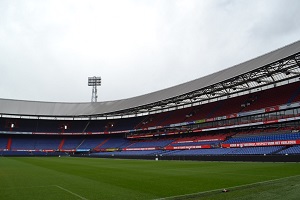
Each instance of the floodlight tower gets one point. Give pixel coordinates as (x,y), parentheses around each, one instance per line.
(94,81)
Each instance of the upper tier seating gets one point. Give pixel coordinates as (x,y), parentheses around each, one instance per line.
(257,100)
(270,98)
(253,101)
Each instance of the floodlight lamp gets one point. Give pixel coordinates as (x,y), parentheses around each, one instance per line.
(12,125)
(94,82)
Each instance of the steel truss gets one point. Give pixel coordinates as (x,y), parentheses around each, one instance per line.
(268,76)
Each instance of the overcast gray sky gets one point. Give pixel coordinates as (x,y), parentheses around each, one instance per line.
(49,48)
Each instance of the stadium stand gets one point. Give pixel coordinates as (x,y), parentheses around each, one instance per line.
(290,150)
(72,143)
(91,143)
(249,109)
(28,142)
(257,150)
(263,138)
(115,143)
(192,152)
(3,143)
(152,143)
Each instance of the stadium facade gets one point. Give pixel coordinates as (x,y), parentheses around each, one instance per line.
(250,109)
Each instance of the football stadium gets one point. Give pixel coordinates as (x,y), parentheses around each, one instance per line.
(234,134)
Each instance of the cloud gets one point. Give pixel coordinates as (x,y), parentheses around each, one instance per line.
(49,48)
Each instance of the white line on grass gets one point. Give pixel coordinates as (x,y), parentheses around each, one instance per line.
(77,195)
(250,184)
(45,186)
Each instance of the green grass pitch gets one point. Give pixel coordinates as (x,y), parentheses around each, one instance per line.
(95,178)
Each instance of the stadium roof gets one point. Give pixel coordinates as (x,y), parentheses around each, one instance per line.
(272,67)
